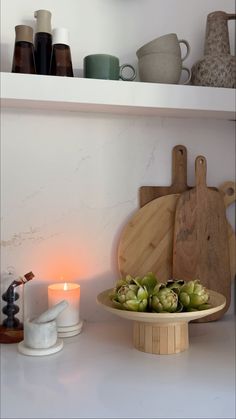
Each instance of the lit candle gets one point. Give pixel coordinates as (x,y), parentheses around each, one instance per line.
(71,293)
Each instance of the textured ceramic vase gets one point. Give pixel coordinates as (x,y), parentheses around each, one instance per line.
(217,68)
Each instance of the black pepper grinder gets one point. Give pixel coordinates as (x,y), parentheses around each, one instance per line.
(61,64)
(23,56)
(43,41)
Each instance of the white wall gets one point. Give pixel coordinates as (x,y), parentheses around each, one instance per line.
(70,180)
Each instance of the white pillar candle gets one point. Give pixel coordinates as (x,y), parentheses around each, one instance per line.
(71,293)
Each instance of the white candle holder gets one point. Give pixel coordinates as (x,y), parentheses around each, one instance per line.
(68,331)
(68,322)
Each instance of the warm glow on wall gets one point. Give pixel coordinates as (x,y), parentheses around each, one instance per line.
(73,257)
(62,265)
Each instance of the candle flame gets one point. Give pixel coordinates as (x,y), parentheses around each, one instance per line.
(65,286)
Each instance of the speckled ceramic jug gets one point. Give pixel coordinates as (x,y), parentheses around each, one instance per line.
(217,68)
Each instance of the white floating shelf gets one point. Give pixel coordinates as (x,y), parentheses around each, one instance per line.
(131,98)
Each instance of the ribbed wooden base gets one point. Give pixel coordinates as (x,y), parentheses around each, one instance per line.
(161,338)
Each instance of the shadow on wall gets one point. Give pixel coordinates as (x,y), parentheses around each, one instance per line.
(90,288)
(116,241)
(6,58)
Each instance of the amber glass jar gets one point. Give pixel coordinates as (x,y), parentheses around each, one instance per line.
(61,63)
(23,56)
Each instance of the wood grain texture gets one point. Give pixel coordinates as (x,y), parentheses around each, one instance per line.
(11,335)
(179,178)
(200,246)
(146,242)
(161,339)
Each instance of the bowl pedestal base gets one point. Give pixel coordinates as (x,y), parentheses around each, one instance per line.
(161,338)
(162,333)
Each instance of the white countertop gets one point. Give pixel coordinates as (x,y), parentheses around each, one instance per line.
(99,374)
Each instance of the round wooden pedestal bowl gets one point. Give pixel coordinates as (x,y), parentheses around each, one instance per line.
(161,333)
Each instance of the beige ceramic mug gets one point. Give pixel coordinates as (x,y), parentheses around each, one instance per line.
(162,68)
(168,43)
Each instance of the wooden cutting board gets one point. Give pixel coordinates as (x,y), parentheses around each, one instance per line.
(200,242)
(179,178)
(146,242)
(179,184)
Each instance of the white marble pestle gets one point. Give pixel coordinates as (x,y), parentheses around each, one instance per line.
(41,333)
(51,313)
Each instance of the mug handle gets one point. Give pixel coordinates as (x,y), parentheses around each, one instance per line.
(189,75)
(127,78)
(182,41)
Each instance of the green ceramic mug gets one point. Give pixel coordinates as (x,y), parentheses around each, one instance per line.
(105,66)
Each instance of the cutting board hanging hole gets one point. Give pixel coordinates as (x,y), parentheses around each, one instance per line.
(200,169)
(230,192)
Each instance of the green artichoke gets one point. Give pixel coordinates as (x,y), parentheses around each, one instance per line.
(194,296)
(131,297)
(124,281)
(163,300)
(175,284)
(149,281)
(148,294)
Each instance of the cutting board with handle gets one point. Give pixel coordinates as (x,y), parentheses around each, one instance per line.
(179,178)
(146,242)
(200,241)
(179,184)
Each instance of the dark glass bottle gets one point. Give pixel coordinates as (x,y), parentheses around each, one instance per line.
(61,63)
(43,41)
(23,56)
